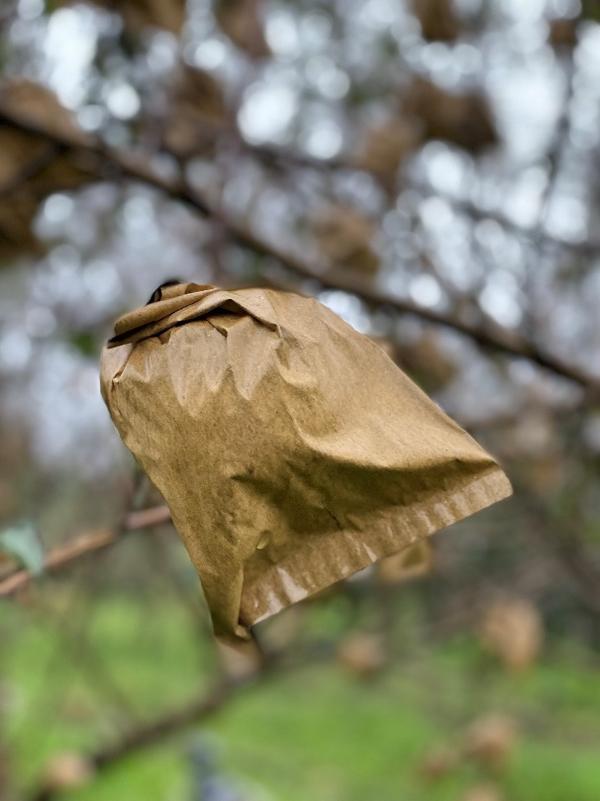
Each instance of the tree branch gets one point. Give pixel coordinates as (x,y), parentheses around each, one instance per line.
(31,170)
(84,545)
(175,720)
(193,711)
(132,166)
(279,156)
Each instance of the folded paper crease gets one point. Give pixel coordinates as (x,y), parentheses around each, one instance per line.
(291,450)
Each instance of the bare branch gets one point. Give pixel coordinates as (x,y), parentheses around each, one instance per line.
(194,710)
(494,339)
(134,167)
(146,518)
(84,545)
(31,170)
(175,720)
(280,156)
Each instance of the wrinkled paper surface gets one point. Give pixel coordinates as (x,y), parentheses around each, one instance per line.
(290,449)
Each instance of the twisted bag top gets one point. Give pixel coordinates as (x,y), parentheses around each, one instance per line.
(290,449)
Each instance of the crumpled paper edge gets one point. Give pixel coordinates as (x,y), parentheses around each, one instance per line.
(294,578)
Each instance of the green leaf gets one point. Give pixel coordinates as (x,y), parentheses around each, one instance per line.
(23,544)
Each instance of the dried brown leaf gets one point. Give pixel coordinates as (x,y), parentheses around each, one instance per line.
(385,148)
(362,654)
(438,19)
(439,763)
(241,21)
(169,15)
(36,104)
(67,772)
(491,740)
(31,167)
(562,32)
(427,361)
(197,113)
(483,792)
(513,631)
(414,561)
(464,119)
(344,236)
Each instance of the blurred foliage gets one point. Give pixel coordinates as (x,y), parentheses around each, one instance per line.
(438,20)
(138,14)
(31,168)
(197,109)
(439,722)
(443,153)
(241,21)
(463,119)
(344,238)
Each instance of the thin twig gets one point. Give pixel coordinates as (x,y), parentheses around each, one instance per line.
(84,545)
(175,720)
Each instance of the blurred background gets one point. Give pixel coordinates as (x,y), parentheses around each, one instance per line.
(429,169)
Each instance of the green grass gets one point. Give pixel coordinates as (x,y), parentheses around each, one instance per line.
(317,733)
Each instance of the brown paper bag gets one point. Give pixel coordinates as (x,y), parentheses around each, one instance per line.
(290,449)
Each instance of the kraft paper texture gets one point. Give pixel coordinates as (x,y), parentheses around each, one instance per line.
(291,450)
